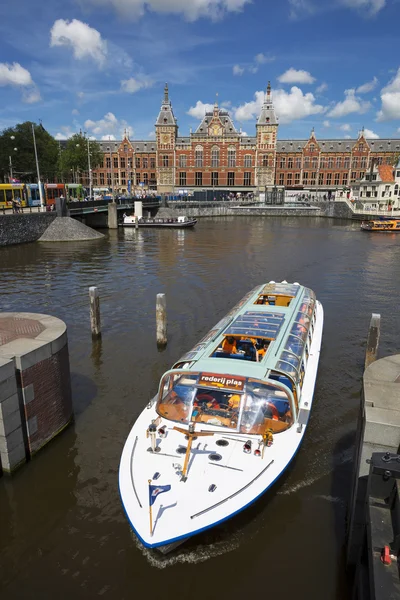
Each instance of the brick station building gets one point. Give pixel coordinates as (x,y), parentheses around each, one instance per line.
(217,156)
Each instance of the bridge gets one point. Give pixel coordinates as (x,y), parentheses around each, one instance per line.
(97,206)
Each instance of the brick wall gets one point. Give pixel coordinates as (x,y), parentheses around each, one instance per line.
(48,408)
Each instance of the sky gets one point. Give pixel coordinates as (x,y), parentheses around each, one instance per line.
(101,65)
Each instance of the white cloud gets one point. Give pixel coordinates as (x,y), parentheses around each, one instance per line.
(253,69)
(190,9)
(326,124)
(349,105)
(347,137)
(390,97)
(370,7)
(262,59)
(65,133)
(109,125)
(304,8)
(106,138)
(238,70)
(368,133)
(133,85)
(293,76)
(250,110)
(367,87)
(244,134)
(31,95)
(14,75)
(84,41)
(75,111)
(17,76)
(322,88)
(288,105)
(345,127)
(199,110)
(152,135)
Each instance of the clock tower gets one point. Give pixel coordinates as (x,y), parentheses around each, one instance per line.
(166,134)
(267,131)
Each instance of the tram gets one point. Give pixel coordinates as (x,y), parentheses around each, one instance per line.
(10,192)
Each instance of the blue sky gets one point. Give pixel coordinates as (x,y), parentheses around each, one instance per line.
(101,65)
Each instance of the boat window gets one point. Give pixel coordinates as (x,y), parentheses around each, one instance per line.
(216,407)
(290,358)
(266,408)
(299,330)
(286,367)
(294,345)
(176,395)
(277,294)
(256,325)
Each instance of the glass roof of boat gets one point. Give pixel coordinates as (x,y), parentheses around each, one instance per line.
(290,358)
(280,289)
(257,324)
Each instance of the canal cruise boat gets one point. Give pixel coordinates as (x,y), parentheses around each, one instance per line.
(384,226)
(227,420)
(168,222)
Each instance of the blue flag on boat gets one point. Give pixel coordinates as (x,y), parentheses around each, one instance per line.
(154,490)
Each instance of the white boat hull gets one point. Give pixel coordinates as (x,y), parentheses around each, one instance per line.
(240,479)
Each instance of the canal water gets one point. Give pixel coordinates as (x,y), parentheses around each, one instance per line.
(63,533)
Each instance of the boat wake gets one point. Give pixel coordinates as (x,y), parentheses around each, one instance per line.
(199,554)
(344,457)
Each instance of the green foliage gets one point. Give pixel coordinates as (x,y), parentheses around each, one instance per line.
(23,158)
(75,155)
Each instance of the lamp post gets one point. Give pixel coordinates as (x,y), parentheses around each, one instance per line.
(90,170)
(37,169)
(111,170)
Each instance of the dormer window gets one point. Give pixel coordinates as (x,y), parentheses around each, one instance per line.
(267,119)
(165,120)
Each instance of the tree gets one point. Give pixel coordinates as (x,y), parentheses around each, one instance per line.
(74,156)
(17,143)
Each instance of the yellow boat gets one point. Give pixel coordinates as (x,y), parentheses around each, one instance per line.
(390,225)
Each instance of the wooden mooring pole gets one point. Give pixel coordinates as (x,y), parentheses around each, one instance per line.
(373,339)
(95,321)
(161,317)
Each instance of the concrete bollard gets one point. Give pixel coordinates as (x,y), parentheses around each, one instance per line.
(95,321)
(373,340)
(161,316)
(112,216)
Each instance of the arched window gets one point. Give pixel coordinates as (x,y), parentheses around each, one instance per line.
(312,147)
(396,190)
(199,156)
(231,157)
(215,156)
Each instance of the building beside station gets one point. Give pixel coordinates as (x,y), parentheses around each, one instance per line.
(218,156)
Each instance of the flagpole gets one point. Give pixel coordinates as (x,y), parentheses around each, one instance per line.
(150,511)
